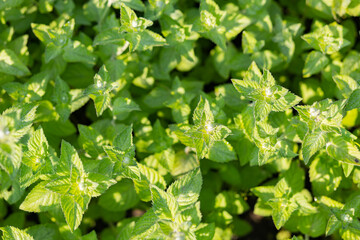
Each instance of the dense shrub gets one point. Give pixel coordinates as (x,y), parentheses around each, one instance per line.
(179,119)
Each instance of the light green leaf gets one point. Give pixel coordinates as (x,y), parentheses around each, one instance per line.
(37,153)
(353,101)
(102,103)
(186,189)
(38,142)
(100,90)
(123,105)
(10,157)
(110,36)
(119,197)
(13,233)
(231,202)
(165,205)
(346,84)
(147,177)
(52,51)
(325,175)
(90,140)
(95,184)
(77,52)
(315,61)
(328,39)
(205,231)
(330,203)
(161,140)
(261,110)
(40,199)
(267,80)
(250,44)
(72,211)
(343,150)
(202,114)
(145,223)
(150,39)
(69,161)
(281,211)
(124,140)
(221,151)
(11,64)
(332,225)
(281,102)
(246,87)
(312,143)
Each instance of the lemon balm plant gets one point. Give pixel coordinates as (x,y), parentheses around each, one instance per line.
(175,119)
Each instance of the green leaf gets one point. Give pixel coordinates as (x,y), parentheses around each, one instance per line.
(90,140)
(315,61)
(43,231)
(145,223)
(262,89)
(343,150)
(222,151)
(100,91)
(40,199)
(110,36)
(165,205)
(246,87)
(217,35)
(77,52)
(124,140)
(231,202)
(261,110)
(90,236)
(102,103)
(149,39)
(354,100)
(119,197)
(13,233)
(202,113)
(136,34)
(346,84)
(10,157)
(281,211)
(38,148)
(11,64)
(250,44)
(187,188)
(95,184)
(328,39)
(72,211)
(267,79)
(295,177)
(210,19)
(52,51)
(69,161)
(205,231)
(38,143)
(161,139)
(325,175)
(145,178)
(312,143)
(282,189)
(123,105)
(62,99)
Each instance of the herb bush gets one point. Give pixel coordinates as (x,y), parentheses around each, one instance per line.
(178,119)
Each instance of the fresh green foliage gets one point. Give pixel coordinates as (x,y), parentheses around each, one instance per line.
(177,119)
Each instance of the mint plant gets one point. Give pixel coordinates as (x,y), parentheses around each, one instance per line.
(173,119)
